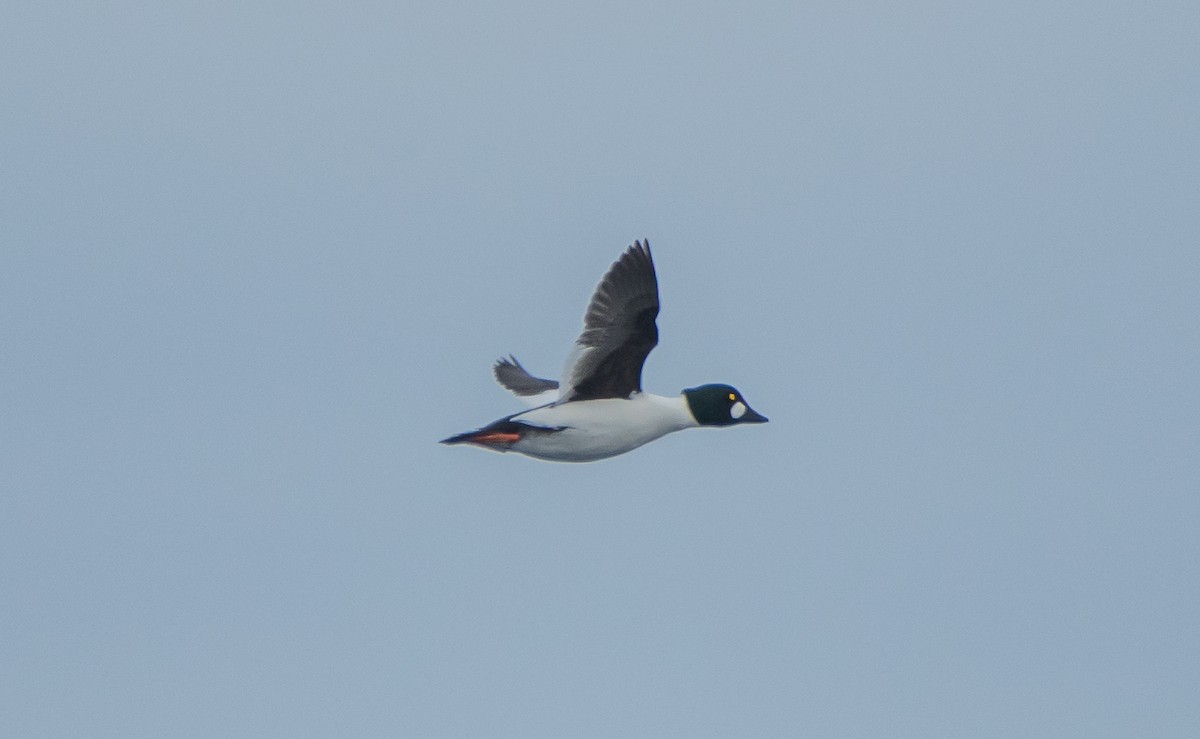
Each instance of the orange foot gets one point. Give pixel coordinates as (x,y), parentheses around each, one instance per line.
(497,437)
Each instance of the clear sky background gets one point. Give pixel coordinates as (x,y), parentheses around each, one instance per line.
(258,257)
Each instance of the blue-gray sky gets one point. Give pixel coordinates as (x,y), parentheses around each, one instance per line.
(257,259)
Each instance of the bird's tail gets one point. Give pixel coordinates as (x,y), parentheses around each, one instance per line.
(500,438)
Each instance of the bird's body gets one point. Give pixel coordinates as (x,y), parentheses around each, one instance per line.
(588,430)
(600,410)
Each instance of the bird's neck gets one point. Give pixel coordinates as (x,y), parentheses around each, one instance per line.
(674,408)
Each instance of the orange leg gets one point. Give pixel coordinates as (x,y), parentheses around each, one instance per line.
(496,437)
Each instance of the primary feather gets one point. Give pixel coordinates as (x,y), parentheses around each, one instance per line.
(619,330)
(516,379)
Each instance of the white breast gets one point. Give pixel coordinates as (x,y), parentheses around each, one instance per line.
(595,429)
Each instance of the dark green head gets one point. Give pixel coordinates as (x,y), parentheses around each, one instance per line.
(720,405)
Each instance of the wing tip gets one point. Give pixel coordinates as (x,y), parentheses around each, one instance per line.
(636,263)
(502,366)
(513,377)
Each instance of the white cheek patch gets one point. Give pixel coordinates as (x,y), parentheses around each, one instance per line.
(737,410)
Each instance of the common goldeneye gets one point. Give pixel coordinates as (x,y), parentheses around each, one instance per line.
(599,410)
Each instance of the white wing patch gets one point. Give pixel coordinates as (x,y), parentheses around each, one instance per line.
(535,401)
(566,385)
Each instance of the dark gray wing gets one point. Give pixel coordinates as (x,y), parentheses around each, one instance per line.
(618,331)
(513,377)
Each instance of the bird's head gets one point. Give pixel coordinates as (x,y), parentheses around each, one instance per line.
(720,405)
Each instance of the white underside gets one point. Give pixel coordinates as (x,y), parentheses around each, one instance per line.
(596,429)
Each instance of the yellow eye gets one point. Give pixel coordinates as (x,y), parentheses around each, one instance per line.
(732,396)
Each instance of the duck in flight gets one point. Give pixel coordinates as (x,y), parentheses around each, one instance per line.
(599,409)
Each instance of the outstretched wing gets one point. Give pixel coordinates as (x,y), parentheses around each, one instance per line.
(619,331)
(514,378)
